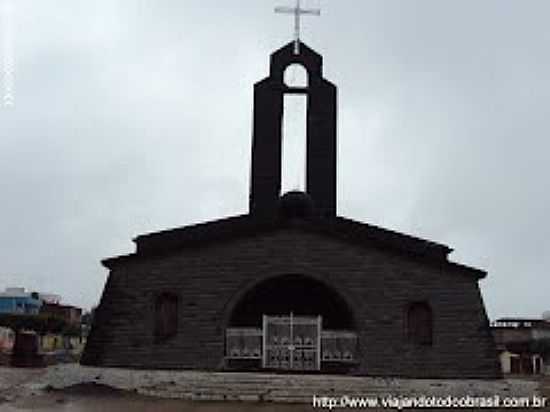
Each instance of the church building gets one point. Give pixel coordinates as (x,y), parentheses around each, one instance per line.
(291,286)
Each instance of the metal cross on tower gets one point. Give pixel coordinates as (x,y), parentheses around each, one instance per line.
(298,12)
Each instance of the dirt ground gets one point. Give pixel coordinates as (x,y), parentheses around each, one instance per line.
(94,399)
(100,398)
(104,399)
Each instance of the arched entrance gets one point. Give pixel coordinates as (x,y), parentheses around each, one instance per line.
(291,322)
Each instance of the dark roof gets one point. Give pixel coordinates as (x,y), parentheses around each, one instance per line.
(521,321)
(520,324)
(165,242)
(47,305)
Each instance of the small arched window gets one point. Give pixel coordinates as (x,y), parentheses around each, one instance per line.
(420,323)
(296,75)
(166,316)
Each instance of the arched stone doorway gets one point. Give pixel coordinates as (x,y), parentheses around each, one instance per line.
(291,322)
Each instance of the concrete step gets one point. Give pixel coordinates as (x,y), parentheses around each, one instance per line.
(262,388)
(281,388)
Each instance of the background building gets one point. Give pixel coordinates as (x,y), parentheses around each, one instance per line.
(70,314)
(523,345)
(18,301)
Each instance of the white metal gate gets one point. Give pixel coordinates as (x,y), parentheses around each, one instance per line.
(292,342)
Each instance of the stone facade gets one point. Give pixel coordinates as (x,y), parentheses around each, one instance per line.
(377,283)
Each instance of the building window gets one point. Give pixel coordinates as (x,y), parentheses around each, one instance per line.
(515,365)
(527,364)
(166,316)
(538,365)
(420,323)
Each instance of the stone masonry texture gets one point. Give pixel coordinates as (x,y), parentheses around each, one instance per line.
(376,283)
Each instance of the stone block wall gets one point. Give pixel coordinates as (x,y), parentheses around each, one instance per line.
(377,285)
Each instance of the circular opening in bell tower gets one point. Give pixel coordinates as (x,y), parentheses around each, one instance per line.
(296,75)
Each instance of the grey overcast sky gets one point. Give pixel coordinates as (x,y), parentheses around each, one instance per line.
(132,116)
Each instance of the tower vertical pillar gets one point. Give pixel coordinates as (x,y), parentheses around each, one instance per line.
(267,136)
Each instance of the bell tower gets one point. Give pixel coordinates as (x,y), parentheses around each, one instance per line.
(269,95)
